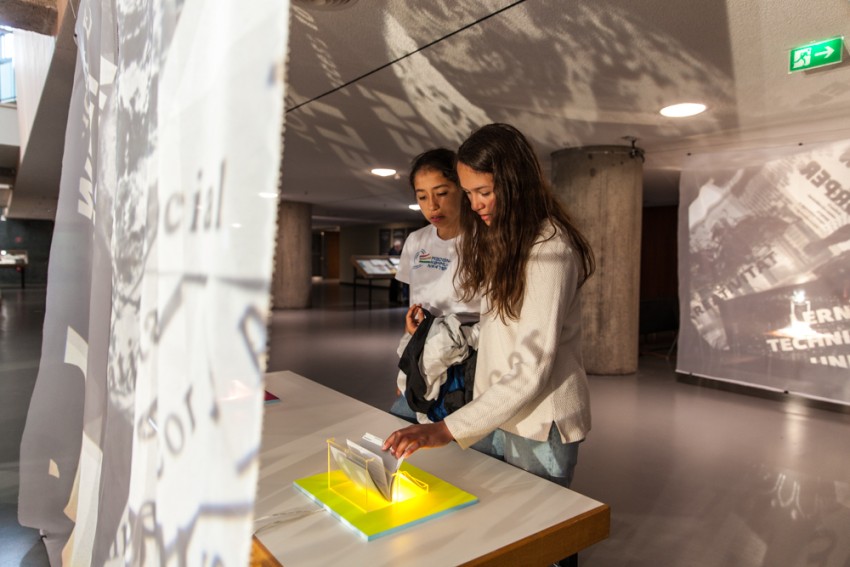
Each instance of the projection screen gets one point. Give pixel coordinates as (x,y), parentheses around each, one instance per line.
(764,269)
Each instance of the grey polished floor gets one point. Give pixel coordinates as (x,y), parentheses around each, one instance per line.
(695,476)
(21,319)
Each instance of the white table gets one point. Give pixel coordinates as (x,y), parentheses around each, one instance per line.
(520,519)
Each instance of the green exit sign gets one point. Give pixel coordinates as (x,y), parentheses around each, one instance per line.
(818,54)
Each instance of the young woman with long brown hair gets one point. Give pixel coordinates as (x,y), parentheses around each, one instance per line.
(522,252)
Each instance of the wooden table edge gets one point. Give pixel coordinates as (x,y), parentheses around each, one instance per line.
(554,543)
(542,548)
(261,556)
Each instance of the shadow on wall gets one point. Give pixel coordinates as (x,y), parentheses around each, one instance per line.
(659,315)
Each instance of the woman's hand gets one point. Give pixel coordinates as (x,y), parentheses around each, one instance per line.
(404,442)
(413,318)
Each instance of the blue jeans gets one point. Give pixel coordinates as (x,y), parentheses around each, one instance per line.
(552,459)
(402,410)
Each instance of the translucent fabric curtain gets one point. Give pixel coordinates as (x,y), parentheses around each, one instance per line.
(142,439)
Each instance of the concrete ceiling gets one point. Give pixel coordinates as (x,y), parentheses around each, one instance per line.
(373,82)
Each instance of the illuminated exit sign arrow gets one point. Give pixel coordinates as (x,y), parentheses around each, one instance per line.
(818,54)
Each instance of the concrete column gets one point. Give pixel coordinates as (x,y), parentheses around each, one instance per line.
(602,188)
(292,273)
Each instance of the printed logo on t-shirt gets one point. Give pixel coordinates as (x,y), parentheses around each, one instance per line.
(424,259)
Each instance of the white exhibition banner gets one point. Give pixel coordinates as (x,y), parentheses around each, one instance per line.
(764,269)
(142,440)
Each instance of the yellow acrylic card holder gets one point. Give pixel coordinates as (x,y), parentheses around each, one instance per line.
(345,491)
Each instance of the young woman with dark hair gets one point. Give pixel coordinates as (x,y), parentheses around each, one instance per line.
(521,251)
(428,260)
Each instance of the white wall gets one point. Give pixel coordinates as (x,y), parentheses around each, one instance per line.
(33,55)
(9,126)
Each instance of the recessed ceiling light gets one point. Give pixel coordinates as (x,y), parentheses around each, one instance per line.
(414,207)
(682,110)
(383,172)
(269,195)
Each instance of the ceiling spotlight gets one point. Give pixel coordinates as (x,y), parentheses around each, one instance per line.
(682,110)
(414,207)
(383,172)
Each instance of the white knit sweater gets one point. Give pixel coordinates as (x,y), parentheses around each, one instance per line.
(529,372)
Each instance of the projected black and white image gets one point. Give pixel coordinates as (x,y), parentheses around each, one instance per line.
(766,285)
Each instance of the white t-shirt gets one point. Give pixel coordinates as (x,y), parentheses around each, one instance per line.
(428,264)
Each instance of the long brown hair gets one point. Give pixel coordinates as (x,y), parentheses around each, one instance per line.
(493,258)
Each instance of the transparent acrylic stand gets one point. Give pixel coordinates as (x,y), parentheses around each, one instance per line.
(348,476)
